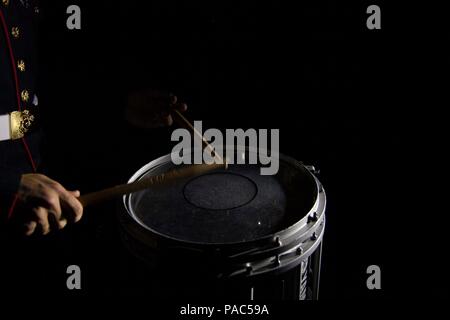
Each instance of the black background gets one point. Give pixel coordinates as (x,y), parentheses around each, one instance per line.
(356,103)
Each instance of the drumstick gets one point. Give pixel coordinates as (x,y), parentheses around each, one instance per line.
(182,121)
(122,189)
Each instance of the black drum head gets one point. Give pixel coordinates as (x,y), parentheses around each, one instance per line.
(224,206)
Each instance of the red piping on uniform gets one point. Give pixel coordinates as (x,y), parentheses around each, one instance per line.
(11,55)
(16,82)
(13,206)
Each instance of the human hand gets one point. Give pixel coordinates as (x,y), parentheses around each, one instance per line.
(152,108)
(46,205)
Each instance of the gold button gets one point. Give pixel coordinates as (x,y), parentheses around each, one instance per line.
(5,2)
(15,32)
(21,65)
(25,95)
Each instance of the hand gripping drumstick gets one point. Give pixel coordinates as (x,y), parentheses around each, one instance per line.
(165,178)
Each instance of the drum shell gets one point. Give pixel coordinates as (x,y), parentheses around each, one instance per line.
(233,265)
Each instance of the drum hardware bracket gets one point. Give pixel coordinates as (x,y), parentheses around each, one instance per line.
(277,260)
(314,217)
(313,169)
(278,242)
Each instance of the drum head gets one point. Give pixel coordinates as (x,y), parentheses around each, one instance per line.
(224,206)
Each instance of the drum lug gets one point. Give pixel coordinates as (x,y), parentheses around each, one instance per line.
(314,217)
(312,169)
(277,260)
(248,268)
(278,242)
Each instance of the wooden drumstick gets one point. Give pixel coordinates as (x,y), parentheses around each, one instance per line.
(119,190)
(182,121)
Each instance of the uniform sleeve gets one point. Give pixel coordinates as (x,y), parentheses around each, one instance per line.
(9,180)
(9,184)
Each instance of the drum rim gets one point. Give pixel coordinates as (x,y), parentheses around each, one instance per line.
(288,232)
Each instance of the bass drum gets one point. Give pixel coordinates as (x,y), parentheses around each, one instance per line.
(230,233)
